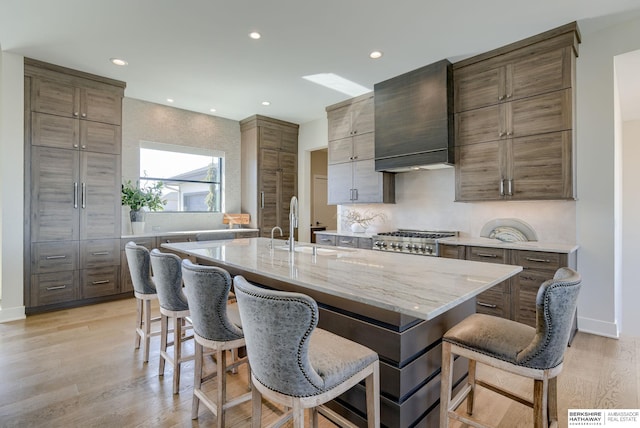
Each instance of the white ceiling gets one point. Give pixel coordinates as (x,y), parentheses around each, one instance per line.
(198,51)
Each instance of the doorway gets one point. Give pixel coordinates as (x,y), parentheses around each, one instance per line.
(323,216)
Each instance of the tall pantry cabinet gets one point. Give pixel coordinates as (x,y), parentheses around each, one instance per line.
(72,186)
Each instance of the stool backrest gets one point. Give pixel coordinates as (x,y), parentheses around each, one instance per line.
(277,326)
(207,289)
(555,307)
(139,267)
(167,275)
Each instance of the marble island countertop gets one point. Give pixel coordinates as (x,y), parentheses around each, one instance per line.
(345,233)
(423,287)
(495,243)
(188,232)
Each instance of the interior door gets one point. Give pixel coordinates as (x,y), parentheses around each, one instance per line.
(323,214)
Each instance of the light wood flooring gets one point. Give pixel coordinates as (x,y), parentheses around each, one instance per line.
(78,368)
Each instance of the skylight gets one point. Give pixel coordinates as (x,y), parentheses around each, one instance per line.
(337,83)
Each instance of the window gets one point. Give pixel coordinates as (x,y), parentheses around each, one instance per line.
(191,177)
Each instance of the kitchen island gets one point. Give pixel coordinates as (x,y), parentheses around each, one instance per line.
(397,305)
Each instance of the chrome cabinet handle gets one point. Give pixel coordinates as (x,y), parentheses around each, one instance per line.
(261,199)
(75,113)
(326,240)
(510,187)
(355,191)
(100,253)
(58,287)
(493,256)
(84,195)
(55,257)
(502,187)
(531,259)
(105,281)
(84,115)
(75,194)
(486,305)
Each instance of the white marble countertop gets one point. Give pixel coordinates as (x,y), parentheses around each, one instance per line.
(345,233)
(187,232)
(423,287)
(495,243)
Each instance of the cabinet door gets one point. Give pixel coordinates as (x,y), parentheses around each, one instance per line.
(101,105)
(539,74)
(479,171)
(269,160)
(452,251)
(340,151)
(339,120)
(100,196)
(55,194)
(270,138)
(289,142)
(362,117)
(286,189)
(100,137)
(480,125)
(57,256)
(99,253)
(98,282)
(268,203)
(347,241)
(323,239)
(340,183)
(545,113)
(54,97)
(55,287)
(540,166)
(367,183)
(288,162)
(363,146)
(54,131)
(475,89)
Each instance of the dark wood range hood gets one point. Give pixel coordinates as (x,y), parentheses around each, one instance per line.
(414,119)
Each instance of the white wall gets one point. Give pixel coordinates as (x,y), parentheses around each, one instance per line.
(595,215)
(630,290)
(11,186)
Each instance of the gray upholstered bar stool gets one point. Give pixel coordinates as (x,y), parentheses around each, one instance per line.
(216,326)
(144,290)
(167,275)
(297,365)
(536,353)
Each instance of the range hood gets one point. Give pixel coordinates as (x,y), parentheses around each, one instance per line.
(414,120)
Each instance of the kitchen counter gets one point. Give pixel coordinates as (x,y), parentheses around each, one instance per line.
(495,243)
(345,233)
(422,287)
(187,232)
(396,304)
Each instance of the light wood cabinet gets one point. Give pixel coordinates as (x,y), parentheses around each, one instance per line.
(344,241)
(269,171)
(514,119)
(351,173)
(72,182)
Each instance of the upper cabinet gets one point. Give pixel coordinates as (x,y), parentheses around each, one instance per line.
(352,177)
(514,119)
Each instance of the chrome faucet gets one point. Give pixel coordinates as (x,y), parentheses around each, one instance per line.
(293,222)
(272,230)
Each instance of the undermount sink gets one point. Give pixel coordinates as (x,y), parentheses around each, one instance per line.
(309,250)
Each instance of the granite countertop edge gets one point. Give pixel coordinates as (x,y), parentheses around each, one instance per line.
(551,247)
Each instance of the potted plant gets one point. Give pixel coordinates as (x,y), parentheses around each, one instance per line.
(360,221)
(138,198)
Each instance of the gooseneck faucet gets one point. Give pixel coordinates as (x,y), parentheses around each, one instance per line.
(293,222)
(272,230)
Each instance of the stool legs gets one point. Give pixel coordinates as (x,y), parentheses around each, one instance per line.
(445,384)
(143,325)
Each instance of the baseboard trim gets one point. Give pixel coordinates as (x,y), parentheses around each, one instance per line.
(12,314)
(598,327)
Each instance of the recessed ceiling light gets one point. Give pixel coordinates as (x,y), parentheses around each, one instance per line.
(118,61)
(169,100)
(266,103)
(375,55)
(212,110)
(337,83)
(255,35)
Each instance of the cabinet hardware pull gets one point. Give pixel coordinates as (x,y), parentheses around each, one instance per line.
(100,253)
(501,134)
(501,97)
(345,241)
(509,133)
(531,259)
(84,115)
(75,113)
(58,287)
(356,193)
(351,194)
(486,305)
(75,146)
(487,255)
(56,257)
(326,240)
(502,187)
(355,157)
(84,146)
(510,187)
(104,281)
(84,195)
(509,95)
(261,199)
(75,194)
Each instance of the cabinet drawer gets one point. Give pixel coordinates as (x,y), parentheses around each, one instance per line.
(494,301)
(99,253)
(528,284)
(52,288)
(366,243)
(540,261)
(175,238)
(148,242)
(325,239)
(346,241)
(101,281)
(48,257)
(451,251)
(489,255)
